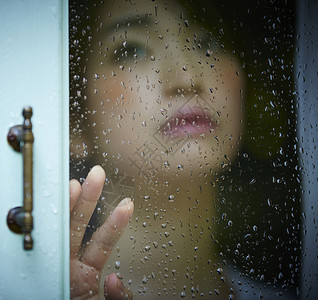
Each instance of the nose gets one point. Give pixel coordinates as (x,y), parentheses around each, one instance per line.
(182,72)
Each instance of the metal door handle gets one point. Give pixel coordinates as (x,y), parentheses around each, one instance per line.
(20,138)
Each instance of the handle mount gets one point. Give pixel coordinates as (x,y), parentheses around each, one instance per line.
(20,138)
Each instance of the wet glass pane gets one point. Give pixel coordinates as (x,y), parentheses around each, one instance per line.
(190,108)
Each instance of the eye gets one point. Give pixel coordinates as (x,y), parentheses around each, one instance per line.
(129,51)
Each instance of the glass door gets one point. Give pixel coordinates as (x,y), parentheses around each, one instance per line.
(192,110)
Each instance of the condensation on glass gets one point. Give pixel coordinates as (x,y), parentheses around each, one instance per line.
(190,108)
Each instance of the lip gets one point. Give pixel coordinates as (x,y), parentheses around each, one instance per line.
(191,121)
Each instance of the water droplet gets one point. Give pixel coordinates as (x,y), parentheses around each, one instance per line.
(219,270)
(252,181)
(163,111)
(144,280)
(171,198)
(117,264)
(208,53)
(53,209)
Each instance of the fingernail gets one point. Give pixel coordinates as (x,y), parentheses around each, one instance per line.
(94,168)
(124,202)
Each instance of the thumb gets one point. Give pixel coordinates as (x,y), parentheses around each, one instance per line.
(115,290)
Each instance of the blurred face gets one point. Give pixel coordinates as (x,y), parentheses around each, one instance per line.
(164,97)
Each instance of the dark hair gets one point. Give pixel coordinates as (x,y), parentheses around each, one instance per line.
(259,201)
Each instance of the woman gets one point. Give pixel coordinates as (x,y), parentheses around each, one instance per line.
(164,99)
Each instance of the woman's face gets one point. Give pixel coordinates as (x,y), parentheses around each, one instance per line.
(163,96)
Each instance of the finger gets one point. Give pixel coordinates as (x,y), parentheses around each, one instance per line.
(84,282)
(75,190)
(84,207)
(115,290)
(106,237)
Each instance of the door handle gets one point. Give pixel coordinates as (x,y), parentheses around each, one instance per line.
(20,138)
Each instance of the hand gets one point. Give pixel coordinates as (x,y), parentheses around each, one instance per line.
(85,268)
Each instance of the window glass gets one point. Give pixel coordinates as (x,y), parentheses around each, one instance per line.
(189,107)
